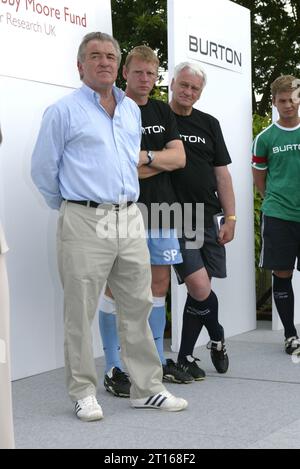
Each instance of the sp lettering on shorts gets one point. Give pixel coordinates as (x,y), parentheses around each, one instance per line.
(170,255)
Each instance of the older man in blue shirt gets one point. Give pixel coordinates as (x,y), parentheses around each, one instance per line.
(85,164)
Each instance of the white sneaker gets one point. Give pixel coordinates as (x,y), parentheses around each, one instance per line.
(88,409)
(162,401)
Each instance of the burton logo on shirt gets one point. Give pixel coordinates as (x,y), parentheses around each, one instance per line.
(193,139)
(285,148)
(153,129)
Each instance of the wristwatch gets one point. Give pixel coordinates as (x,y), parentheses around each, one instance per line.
(231,217)
(151,157)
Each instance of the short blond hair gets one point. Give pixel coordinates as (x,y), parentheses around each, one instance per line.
(144,53)
(283,84)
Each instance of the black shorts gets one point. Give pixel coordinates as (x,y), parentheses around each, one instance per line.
(280,244)
(211,255)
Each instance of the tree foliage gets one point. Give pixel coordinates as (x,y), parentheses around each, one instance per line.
(259,123)
(275,37)
(263,277)
(137,22)
(275,28)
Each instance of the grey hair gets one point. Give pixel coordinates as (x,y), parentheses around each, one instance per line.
(192,67)
(98,36)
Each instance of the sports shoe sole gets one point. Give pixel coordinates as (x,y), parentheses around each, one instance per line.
(111,390)
(200,379)
(172,379)
(92,418)
(173,409)
(294,352)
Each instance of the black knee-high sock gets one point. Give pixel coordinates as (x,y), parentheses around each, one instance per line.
(284,300)
(191,328)
(209,312)
(196,315)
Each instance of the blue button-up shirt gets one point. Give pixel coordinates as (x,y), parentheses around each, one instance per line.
(82,153)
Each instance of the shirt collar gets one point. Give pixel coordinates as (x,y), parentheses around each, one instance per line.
(288,129)
(96,97)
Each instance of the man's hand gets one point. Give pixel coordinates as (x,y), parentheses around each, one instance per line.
(226,233)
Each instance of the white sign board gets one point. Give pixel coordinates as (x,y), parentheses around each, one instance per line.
(216,33)
(36,69)
(214,48)
(39,38)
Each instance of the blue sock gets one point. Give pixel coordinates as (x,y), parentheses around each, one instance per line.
(109,333)
(157,321)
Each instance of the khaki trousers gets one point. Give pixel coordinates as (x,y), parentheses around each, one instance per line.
(96,245)
(6,421)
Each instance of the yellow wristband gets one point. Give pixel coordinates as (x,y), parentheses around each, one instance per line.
(231,217)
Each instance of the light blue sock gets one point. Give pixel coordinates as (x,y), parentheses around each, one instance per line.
(109,333)
(157,321)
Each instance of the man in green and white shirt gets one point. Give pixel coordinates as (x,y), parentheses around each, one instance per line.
(276,170)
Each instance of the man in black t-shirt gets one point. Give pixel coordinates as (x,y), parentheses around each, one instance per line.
(204,180)
(162,151)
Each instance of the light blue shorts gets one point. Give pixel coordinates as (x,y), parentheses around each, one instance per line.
(164,247)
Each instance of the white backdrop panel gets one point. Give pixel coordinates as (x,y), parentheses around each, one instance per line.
(36,294)
(221,40)
(42,37)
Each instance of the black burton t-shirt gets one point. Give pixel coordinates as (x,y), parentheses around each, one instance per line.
(159,128)
(205,149)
